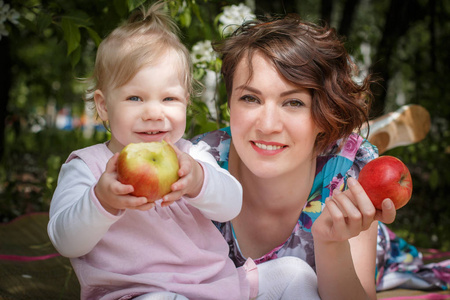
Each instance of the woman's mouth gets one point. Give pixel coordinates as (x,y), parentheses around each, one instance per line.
(267,148)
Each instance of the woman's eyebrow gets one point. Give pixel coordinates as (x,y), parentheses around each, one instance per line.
(248,88)
(294,91)
(283,94)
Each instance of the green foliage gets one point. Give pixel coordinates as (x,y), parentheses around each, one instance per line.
(30,167)
(55,41)
(424,220)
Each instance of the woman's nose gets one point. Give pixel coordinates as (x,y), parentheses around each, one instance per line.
(269,119)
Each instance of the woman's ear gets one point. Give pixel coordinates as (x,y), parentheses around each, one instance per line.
(100,105)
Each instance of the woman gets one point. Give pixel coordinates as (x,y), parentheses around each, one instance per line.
(293,110)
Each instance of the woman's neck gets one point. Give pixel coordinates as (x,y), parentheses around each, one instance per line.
(287,191)
(271,206)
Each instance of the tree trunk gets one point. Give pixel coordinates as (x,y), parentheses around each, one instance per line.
(400,16)
(276,7)
(432,28)
(326,10)
(346,23)
(5,85)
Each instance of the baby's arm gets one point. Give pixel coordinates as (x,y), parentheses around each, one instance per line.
(82,209)
(217,194)
(77,220)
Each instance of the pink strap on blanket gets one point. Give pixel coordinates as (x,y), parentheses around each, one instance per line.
(432,296)
(435,255)
(27,258)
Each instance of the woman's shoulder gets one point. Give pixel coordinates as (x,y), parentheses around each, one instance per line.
(219,143)
(345,159)
(213,138)
(355,147)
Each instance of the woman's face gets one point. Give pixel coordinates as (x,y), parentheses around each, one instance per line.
(271,122)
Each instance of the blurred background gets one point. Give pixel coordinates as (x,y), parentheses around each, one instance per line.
(48,46)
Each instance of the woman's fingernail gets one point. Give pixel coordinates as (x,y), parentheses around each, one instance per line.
(388,203)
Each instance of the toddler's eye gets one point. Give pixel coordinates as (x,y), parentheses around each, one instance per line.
(169,99)
(134,98)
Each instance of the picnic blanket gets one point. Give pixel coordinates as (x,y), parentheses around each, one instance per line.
(401,265)
(429,257)
(31,268)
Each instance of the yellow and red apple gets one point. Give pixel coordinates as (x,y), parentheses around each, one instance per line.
(386,177)
(151,168)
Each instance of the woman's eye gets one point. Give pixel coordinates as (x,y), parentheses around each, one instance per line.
(249,99)
(134,98)
(294,103)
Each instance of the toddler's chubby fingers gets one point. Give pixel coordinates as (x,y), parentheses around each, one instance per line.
(121,189)
(180,185)
(184,161)
(185,164)
(132,202)
(171,197)
(146,206)
(111,165)
(166,203)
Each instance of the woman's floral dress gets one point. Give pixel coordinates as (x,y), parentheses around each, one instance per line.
(398,263)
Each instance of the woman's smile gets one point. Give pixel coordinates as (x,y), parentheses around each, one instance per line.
(267,148)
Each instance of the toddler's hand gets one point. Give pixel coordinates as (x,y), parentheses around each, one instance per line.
(115,196)
(191,178)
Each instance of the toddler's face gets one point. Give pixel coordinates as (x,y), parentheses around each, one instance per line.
(150,107)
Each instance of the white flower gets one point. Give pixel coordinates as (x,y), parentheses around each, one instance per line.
(182,7)
(7,14)
(3,12)
(203,53)
(233,16)
(13,16)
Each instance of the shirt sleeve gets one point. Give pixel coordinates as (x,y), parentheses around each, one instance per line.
(221,196)
(77,219)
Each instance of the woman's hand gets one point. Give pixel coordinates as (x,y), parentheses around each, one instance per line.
(115,196)
(191,178)
(348,213)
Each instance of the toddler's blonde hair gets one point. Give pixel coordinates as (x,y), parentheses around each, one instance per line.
(141,41)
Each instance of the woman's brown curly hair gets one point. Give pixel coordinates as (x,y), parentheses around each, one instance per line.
(309,56)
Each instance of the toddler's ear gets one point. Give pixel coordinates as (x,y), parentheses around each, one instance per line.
(100,105)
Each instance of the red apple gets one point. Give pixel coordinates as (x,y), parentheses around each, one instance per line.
(151,168)
(386,177)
